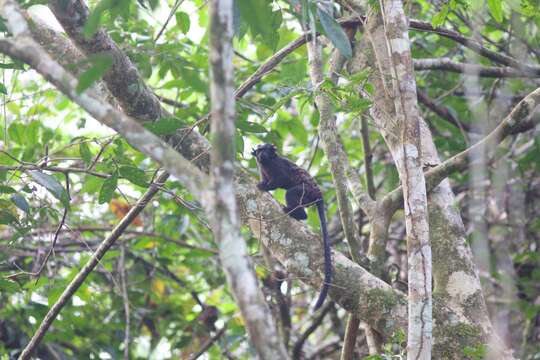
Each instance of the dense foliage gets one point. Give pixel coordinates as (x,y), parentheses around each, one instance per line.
(66,179)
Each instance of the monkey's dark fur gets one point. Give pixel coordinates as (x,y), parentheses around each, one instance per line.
(302,191)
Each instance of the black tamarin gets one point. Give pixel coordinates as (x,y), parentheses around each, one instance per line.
(302,191)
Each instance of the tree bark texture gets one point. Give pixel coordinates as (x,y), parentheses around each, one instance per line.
(220,201)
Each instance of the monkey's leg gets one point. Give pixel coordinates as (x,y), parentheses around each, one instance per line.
(296,198)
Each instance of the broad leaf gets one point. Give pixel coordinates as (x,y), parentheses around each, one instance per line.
(7,189)
(8,215)
(51,184)
(107,189)
(100,64)
(134,175)
(439,18)
(250,126)
(261,20)
(335,33)
(182,21)
(85,153)
(495,8)
(8,286)
(165,126)
(20,202)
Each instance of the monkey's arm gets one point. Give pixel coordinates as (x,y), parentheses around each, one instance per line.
(271,178)
(267,185)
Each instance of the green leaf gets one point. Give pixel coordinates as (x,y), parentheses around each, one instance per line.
(335,33)
(239,143)
(7,215)
(134,175)
(250,126)
(16,132)
(182,20)
(94,20)
(107,189)
(176,83)
(100,64)
(358,104)
(281,102)
(85,153)
(91,185)
(298,130)
(439,18)
(373,357)
(8,285)
(32,132)
(53,294)
(192,77)
(51,184)
(262,21)
(495,8)
(7,189)
(20,202)
(3,89)
(14,65)
(475,353)
(165,126)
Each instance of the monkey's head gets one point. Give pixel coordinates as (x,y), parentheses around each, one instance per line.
(264,152)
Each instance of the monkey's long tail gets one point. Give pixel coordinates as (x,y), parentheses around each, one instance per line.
(327,256)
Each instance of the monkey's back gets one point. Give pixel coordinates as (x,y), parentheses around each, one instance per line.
(298,176)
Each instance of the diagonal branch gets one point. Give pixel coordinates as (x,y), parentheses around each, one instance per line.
(472,44)
(520,114)
(442,111)
(315,323)
(77,281)
(446,64)
(25,49)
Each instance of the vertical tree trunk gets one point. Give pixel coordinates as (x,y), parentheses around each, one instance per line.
(220,202)
(456,282)
(407,154)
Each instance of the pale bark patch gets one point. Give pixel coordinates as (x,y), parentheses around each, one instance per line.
(399,46)
(461,285)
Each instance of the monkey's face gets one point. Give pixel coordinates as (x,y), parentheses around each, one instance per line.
(264,152)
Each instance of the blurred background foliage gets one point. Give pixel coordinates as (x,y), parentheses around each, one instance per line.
(167,259)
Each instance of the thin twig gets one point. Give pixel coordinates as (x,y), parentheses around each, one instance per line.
(368,157)
(88,267)
(317,321)
(171,102)
(208,344)
(134,232)
(98,156)
(169,17)
(314,152)
(521,114)
(165,271)
(64,170)
(53,243)
(443,112)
